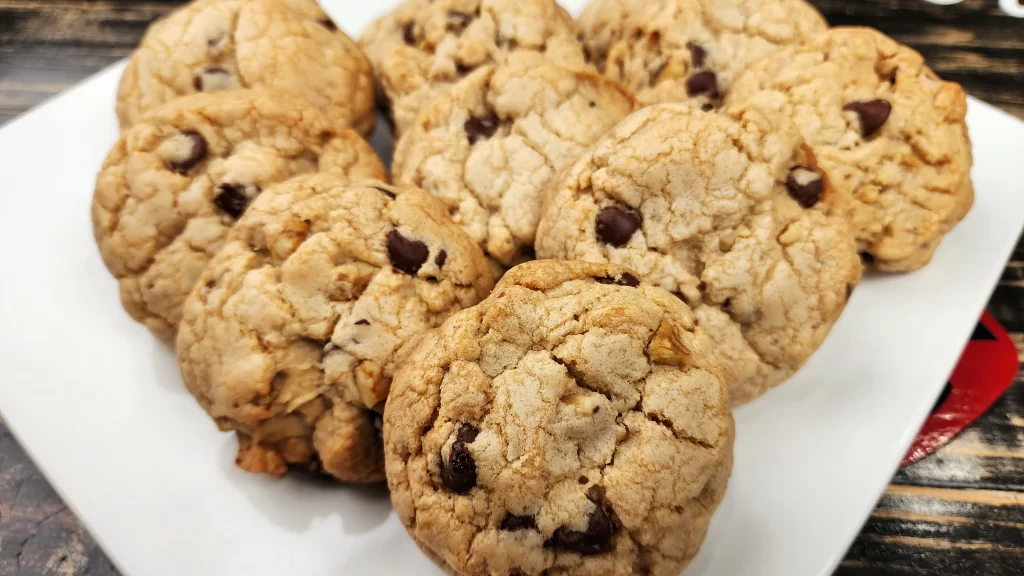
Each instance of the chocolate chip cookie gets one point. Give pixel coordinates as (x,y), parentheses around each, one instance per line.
(889,132)
(679,50)
(175,183)
(295,330)
(216,45)
(725,211)
(572,423)
(424,45)
(488,146)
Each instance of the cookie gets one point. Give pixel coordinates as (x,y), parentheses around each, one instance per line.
(572,423)
(680,50)
(295,330)
(723,210)
(175,183)
(888,131)
(424,45)
(488,146)
(216,45)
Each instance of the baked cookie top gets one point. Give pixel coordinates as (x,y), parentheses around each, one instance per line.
(677,50)
(488,146)
(295,329)
(888,131)
(573,422)
(721,210)
(424,45)
(175,183)
(216,45)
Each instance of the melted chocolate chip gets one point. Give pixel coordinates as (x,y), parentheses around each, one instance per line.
(513,523)
(596,539)
(362,322)
(194,153)
(872,114)
(707,107)
(805,186)
(459,474)
(703,83)
(481,128)
(409,33)
(231,199)
(697,54)
(329,24)
(442,257)
(626,279)
(616,226)
(406,255)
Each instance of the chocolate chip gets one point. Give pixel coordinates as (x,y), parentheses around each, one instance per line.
(442,257)
(513,523)
(329,24)
(193,153)
(214,80)
(805,186)
(481,128)
(406,255)
(459,474)
(872,113)
(625,279)
(596,539)
(362,322)
(707,107)
(703,83)
(386,192)
(458,20)
(461,69)
(409,33)
(616,226)
(231,199)
(697,54)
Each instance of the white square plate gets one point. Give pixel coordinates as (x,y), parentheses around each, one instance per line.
(100,406)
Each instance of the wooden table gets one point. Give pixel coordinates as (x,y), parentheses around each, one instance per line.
(960,511)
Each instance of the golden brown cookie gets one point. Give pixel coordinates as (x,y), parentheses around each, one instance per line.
(679,50)
(296,328)
(423,46)
(574,422)
(489,145)
(216,45)
(890,134)
(723,210)
(175,183)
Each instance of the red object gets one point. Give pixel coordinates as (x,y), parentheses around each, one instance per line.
(986,369)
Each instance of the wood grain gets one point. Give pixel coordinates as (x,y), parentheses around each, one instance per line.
(959,511)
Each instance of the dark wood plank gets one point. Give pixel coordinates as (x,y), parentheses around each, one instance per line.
(40,536)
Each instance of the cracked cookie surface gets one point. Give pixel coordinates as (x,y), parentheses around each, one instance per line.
(679,50)
(890,133)
(217,45)
(572,423)
(490,144)
(295,329)
(723,210)
(174,185)
(423,46)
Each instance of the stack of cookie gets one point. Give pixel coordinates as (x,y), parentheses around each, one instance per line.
(702,183)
